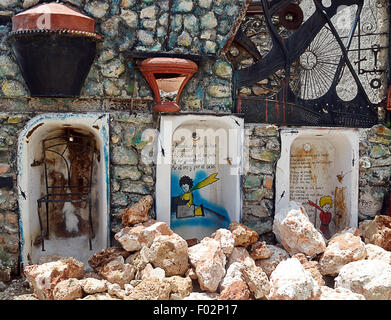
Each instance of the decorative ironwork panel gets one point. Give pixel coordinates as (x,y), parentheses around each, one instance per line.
(312,62)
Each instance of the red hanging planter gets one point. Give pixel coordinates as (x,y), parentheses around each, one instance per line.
(167,78)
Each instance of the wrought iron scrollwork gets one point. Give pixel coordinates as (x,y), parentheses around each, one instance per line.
(313,58)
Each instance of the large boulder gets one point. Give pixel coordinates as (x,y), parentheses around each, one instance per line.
(378,232)
(134,238)
(208,260)
(137,213)
(341,250)
(243,235)
(290,281)
(169,252)
(295,231)
(44,278)
(371,278)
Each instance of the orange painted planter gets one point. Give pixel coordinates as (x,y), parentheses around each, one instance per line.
(167,76)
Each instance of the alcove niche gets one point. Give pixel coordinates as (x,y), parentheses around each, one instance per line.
(67,233)
(321,166)
(199,160)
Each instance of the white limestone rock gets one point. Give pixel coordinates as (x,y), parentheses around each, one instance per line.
(208,260)
(371,278)
(328,293)
(295,231)
(226,239)
(290,281)
(375,252)
(341,250)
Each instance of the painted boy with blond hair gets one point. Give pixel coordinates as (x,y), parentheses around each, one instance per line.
(325,204)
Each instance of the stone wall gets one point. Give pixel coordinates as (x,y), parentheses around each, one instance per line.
(262,150)
(196,27)
(115,86)
(375,170)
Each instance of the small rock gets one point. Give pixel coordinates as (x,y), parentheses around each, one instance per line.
(30,296)
(134,238)
(114,289)
(378,232)
(92,285)
(180,287)
(243,235)
(257,281)
(116,271)
(100,296)
(339,294)
(233,274)
(241,255)
(226,240)
(69,289)
(151,289)
(202,296)
(311,266)
(268,265)
(169,252)
(209,260)
(100,259)
(260,250)
(43,278)
(238,290)
(137,213)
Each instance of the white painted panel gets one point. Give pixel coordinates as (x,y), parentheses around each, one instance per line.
(198,173)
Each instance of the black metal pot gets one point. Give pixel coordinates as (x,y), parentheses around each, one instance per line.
(54,63)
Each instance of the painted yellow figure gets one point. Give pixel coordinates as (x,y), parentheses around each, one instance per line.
(186,184)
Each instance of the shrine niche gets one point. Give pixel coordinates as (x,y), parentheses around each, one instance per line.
(198,173)
(63,185)
(319,169)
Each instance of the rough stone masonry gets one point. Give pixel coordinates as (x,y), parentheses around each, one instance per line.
(115,85)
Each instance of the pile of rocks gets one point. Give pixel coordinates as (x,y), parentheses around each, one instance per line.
(153,263)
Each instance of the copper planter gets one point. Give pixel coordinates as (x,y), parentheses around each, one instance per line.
(55,47)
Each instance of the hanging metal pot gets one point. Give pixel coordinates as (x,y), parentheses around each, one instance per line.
(55,46)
